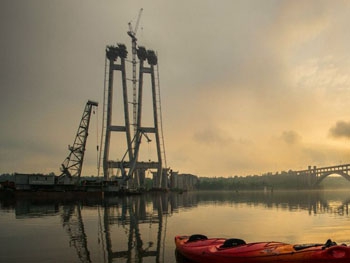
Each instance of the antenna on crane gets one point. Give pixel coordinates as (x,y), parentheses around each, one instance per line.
(132,33)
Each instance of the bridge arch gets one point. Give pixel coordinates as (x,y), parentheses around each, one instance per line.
(326,174)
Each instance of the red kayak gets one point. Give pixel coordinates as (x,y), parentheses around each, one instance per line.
(201,249)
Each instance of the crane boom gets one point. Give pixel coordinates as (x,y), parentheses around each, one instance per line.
(132,32)
(138,21)
(73,164)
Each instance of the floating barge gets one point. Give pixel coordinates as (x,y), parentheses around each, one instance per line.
(49,187)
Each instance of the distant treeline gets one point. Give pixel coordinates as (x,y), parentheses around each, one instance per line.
(269,181)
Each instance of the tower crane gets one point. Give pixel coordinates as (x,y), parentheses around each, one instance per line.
(132,33)
(72,165)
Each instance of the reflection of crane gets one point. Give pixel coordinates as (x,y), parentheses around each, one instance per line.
(132,33)
(73,223)
(73,164)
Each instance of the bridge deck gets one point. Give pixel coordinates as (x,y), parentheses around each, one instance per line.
(343,168)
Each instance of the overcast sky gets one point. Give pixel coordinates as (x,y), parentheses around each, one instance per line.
(247,86)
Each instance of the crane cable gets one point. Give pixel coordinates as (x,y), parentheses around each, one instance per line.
(97,146)
(149,151)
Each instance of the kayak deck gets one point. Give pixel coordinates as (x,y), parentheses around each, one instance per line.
(199,248)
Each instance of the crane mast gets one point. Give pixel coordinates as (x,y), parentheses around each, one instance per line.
(132,33)
(72,165)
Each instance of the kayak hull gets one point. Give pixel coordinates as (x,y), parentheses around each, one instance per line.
(213,250)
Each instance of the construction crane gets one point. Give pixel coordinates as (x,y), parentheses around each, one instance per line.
(126,175)
(132,33)
(72,165)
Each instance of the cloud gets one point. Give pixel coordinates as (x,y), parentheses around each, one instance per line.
(340,130)
(212,136)
(233,74)
(290,137)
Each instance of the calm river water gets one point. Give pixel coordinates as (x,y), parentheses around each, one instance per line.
(142,228)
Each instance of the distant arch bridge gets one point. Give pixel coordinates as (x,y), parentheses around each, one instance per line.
(316,175)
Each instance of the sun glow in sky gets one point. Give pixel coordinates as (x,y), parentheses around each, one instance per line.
(247,87)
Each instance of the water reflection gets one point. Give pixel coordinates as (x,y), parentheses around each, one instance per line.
(73,224)
(129,213)
(134,228)
(315,202)
(28,209)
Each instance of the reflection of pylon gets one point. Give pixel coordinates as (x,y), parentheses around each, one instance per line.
(134,214)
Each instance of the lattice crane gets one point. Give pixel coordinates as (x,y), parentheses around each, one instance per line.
(132,33)
(72,165)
